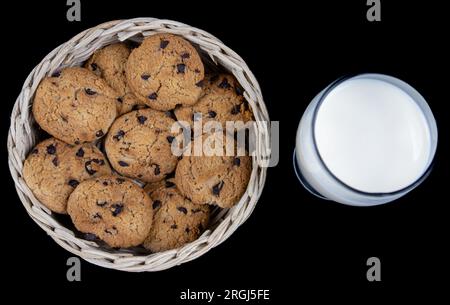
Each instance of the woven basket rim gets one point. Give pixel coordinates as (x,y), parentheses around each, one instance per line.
(22,137)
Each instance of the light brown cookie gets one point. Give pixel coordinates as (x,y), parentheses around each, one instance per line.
(54,169)
(109,63)
(138,145)
(112,208)
(215,180)
(176,220)
(222,100)
(165,71)
(75,105)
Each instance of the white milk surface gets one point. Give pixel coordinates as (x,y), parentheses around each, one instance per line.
(372,136)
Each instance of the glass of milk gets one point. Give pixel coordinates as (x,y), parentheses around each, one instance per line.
(365,140)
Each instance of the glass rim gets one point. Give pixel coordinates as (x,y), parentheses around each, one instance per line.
(403,190)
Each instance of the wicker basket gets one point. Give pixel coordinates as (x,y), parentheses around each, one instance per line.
(23,136)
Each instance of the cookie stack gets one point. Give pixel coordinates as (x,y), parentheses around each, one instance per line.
(112,131)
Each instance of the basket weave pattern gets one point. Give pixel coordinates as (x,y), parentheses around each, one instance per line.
(22,137)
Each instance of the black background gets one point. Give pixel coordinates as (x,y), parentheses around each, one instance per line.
(293,242)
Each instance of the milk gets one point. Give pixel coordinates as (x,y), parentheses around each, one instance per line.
(372,136)
(365,140)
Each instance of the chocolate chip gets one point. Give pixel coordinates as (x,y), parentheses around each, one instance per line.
(94,66)
(120,180)
(89,91)
(116,209)
(236,109)
(105,183)
(181,68)
(197,71)
(238,90)
(174,226)
(156,204)
(99,134)
(56,74)
(119,135)
(200,83)
(187,230)
(153,96)
(163,44)
(97,216)
(77,142)
(142,119)
(51,149)
(35,151)
(101,203)
(135,107)
(212,114)
(55,161)
(139,175)
(182,210)
(90,236)
(123,163)
(99,161)
(111,231)
(170,139)
(169,184)
(157,170)
(145,76)
(73,183)
(120,100)
(80,152)
(88,168)
(237,161)
(217,188)
(224,84)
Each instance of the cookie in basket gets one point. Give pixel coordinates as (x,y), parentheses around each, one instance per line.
(176,220)
(165,71)
(114,209)
(75,105)
(109,63)
(216,180)
(138,145)
(54,169)
(222,100)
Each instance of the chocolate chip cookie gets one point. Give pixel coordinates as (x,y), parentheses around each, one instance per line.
(109,64)
(138,145)
(176,220)
(75,105)
(165,71)
(222,100)
(216,180)
(54,169)
(112,208)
